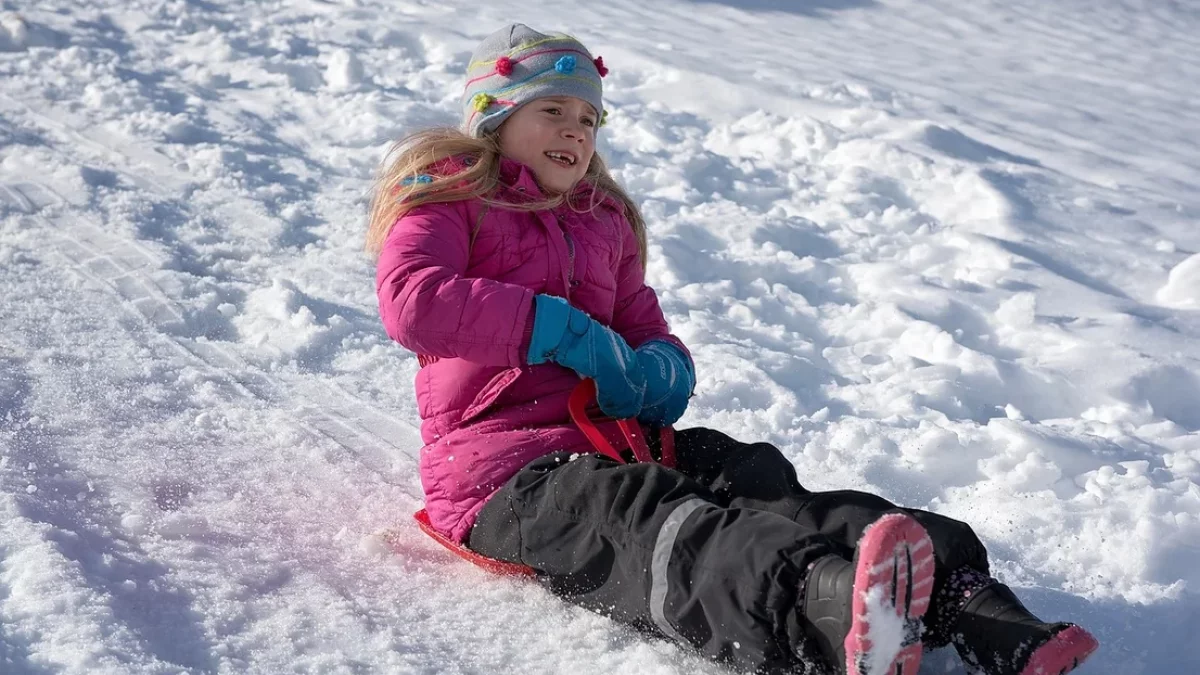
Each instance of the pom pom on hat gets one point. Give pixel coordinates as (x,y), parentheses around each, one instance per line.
(504,66)
(600,67)
(565,65)
(482,102)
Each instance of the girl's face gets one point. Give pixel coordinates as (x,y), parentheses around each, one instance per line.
(555,137)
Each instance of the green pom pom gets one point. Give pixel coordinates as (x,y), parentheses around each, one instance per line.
(483,101)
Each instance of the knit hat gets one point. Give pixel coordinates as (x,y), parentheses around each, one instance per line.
(516,65)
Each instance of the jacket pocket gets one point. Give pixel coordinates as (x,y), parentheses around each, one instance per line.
(490,392)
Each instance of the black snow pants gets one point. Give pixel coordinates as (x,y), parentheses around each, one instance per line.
(711,554)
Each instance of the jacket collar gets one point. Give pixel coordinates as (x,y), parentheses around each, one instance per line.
(519,177)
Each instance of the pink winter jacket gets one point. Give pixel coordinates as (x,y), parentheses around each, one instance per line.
(466,307)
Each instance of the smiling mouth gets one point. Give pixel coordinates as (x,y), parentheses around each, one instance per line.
(563,158)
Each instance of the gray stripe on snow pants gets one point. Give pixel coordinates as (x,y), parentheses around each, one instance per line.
(711,555)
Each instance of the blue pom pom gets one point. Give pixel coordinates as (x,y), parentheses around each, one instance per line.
(566,64)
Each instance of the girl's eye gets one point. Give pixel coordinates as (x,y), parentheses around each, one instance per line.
(589,121)
(554,111)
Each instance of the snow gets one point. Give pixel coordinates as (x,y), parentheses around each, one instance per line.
(886,633)
(1182,290)
(946,252)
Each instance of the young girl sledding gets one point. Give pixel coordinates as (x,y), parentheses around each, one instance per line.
(512,264)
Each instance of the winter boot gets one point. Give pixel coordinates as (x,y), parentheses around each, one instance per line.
(864,618)
(996,635)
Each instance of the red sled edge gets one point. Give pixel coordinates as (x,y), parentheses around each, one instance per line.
(492,565)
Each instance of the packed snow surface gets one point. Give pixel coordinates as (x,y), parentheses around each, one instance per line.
(944,251)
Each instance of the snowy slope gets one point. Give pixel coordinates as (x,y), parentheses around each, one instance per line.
(948,252)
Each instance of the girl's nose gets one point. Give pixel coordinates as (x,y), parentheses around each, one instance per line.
(576,131)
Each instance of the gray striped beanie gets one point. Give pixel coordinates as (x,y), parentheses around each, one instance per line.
(516,65)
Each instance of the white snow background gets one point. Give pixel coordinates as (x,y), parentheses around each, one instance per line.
(944,251)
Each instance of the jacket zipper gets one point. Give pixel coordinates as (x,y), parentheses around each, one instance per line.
(570,254)
(570,260)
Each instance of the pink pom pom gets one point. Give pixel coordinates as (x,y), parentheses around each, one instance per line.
(600,67)
(504,66)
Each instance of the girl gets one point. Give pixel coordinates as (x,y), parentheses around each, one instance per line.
(512,264)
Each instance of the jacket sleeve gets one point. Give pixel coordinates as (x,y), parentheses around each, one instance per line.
(637,315)
(429,305)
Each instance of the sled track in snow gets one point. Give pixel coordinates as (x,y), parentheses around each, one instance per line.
(324,408)
(121,266)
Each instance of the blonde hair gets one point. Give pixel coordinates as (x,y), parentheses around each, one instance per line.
(415,155)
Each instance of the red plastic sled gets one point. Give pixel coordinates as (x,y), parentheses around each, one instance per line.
(577,405)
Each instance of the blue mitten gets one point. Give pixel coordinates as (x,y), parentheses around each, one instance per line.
(571,338)
(670,379)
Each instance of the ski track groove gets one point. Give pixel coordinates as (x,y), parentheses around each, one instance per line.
(327,419)
(19,199)
(106,261)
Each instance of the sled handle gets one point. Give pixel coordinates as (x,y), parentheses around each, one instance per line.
(583,395)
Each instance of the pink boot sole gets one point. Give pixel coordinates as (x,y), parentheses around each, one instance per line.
(1062,653)
(895,563)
